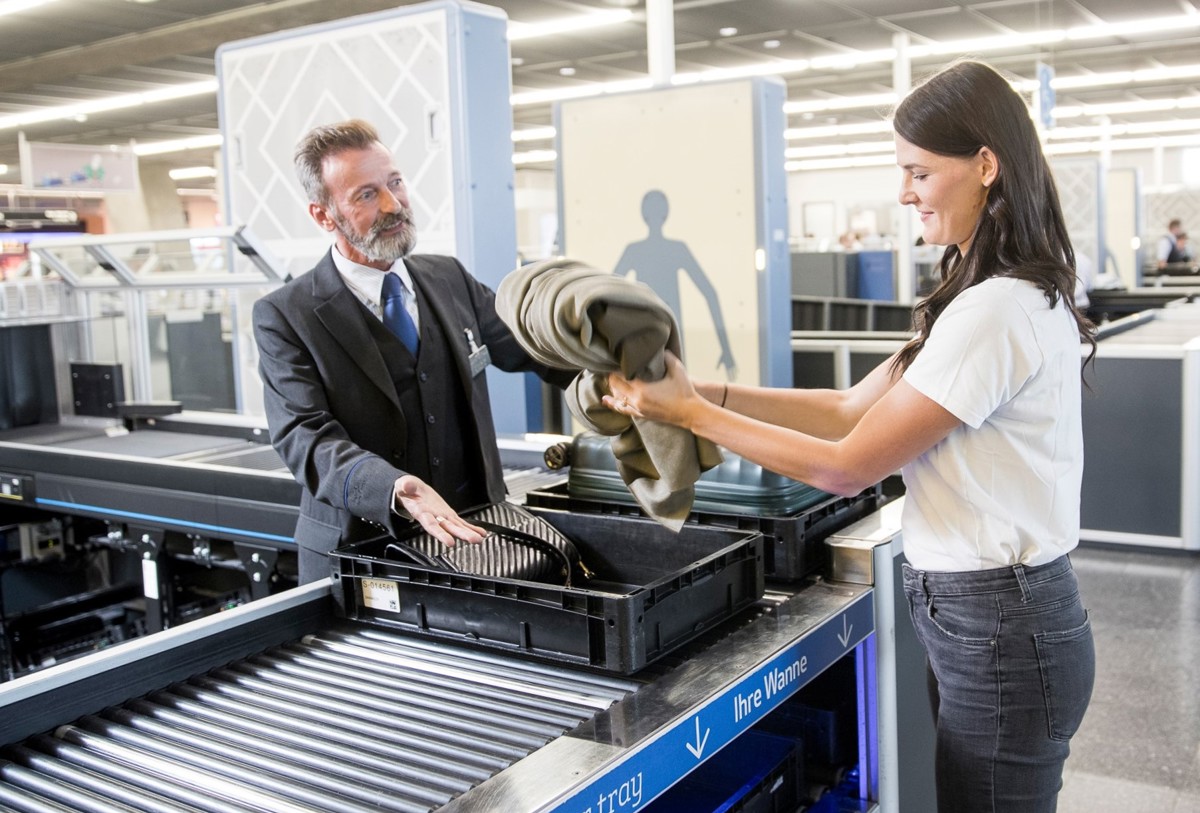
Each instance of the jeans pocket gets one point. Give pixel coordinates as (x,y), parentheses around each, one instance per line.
(969,620)
(1067,661)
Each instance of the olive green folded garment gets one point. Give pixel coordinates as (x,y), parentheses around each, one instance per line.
(567,314)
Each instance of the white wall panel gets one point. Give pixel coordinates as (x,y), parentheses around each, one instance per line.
(713,154)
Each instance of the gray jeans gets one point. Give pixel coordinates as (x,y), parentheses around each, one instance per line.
(1011,666)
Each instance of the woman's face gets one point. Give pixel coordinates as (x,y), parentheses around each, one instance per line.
(948,193)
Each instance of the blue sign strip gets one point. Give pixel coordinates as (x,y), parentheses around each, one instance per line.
(645,773)
(202,526)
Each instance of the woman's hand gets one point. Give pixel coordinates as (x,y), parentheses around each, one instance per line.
(433,513)
(669,400)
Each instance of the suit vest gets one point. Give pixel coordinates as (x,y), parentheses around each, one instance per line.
(441,443)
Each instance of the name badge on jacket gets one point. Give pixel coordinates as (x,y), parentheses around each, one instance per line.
(479,357)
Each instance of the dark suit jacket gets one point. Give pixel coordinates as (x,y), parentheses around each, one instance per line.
(332,408)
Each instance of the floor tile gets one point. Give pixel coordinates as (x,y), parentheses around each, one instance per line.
(1092,793)
(1138,748)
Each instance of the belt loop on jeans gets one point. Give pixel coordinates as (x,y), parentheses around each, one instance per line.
(925,587)
(1026,593)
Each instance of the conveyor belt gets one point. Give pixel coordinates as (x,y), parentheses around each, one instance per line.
(226,487)
(279,705)
(349,719)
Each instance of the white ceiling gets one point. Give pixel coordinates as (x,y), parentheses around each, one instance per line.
(78,50)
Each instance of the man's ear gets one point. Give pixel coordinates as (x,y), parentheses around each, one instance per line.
(989,166)
(320,216)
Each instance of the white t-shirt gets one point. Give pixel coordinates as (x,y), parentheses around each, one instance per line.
(1003,488)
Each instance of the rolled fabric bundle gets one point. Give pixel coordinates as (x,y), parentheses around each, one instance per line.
(567,314)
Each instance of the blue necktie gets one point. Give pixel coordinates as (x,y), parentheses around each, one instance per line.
(395,315)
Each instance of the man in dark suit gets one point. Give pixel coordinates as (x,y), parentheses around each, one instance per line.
(377,433)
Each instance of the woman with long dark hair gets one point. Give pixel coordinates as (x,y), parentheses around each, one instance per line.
(981,412)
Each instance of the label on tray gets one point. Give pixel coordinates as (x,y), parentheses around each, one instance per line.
(379,594)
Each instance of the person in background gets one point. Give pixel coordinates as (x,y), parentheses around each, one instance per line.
(373,363)
(1167,244)
(1181,252)
(982,413)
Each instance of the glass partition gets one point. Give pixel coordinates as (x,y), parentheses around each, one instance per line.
(170,309)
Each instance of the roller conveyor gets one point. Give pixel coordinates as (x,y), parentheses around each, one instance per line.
(279,705)
(348,719)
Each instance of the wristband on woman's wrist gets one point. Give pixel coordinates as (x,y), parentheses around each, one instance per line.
(724,393)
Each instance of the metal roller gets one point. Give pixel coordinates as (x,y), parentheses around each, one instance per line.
(19,800)
(432,772)
(266,750)
(398,702)
(428,724)
(414,686)
(413,736)
(65,775)
(369,646)
(201,770)
(74,756)
(358,734)
(576,683)
(46,790)
(292,771)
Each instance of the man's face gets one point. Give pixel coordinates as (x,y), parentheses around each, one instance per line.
(368,206)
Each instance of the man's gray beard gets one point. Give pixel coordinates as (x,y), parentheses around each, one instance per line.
(375,247)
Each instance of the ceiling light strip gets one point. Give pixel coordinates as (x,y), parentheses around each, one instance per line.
(76,109)
(856,59)
(1067,148)
(568,25)
(1122,108)
(178,145)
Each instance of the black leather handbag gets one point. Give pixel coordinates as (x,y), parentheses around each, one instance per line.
(519,545)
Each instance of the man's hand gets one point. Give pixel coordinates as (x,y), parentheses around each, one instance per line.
(429,509)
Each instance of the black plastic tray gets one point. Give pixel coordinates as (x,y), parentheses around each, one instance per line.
(653,591)
(792,548)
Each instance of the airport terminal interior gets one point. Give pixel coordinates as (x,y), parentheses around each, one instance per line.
(754,652)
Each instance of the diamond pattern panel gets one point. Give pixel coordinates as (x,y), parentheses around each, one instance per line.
(391,72)
(1078,182)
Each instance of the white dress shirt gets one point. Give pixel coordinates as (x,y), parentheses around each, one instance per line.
(366,284)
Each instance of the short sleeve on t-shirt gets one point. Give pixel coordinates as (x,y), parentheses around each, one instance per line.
(982,349)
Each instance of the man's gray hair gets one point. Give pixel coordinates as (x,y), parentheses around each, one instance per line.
(321,142)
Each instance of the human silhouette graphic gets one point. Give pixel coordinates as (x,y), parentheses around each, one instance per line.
(657,262)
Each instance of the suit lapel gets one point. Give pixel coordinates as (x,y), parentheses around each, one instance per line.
(341,314)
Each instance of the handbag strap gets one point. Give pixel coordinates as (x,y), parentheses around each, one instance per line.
(568,557)
(418,556)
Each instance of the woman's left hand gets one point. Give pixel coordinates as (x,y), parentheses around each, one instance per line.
(669,400)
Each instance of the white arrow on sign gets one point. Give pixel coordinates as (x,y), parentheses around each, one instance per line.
(846,630)
(698,748)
